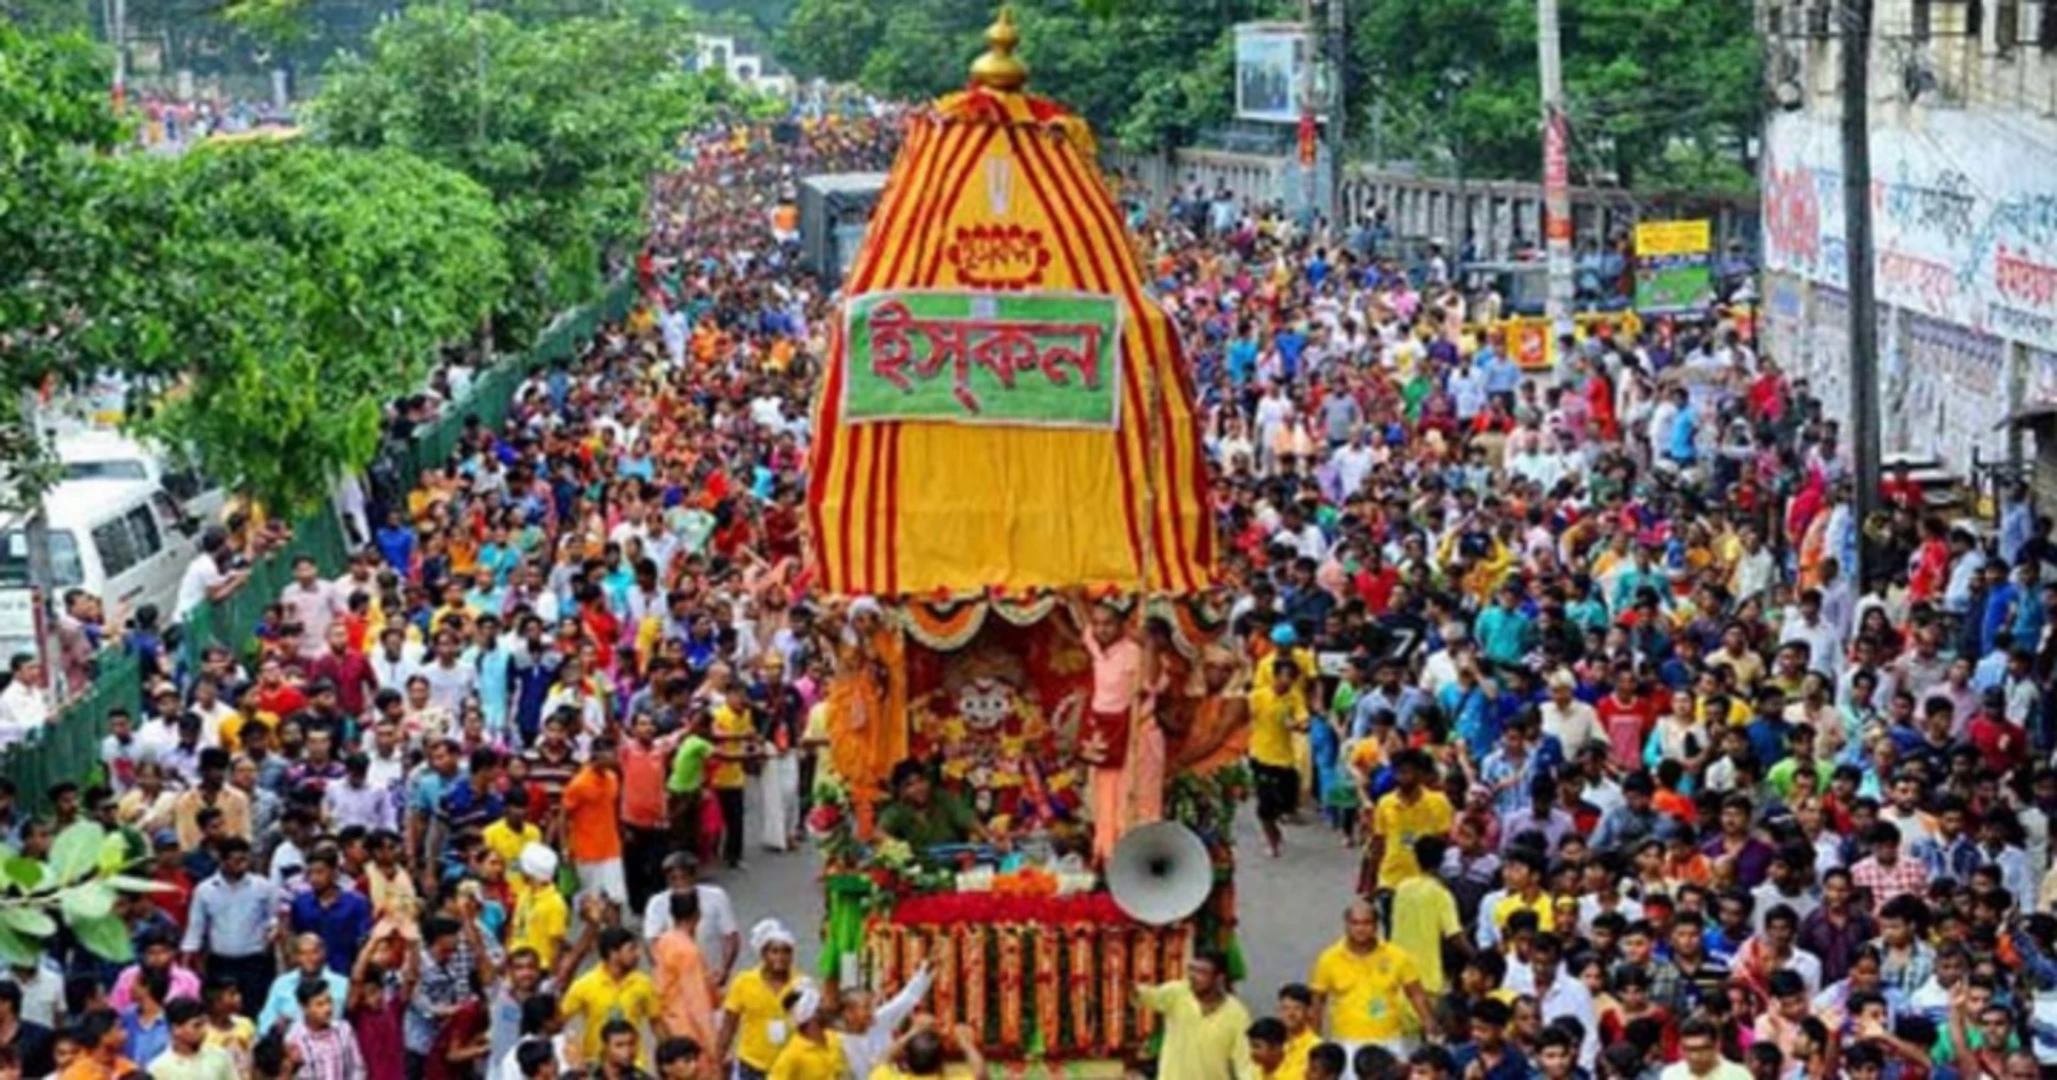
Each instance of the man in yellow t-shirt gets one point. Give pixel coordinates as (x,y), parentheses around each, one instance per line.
(612,989)
(1366,988)
(1403,815)
(755,1002)
(1425,915)
(541,918)
(1296,1012)
(1277,710)
(734,733)
(513,831)
(1523,874)
(813,1052)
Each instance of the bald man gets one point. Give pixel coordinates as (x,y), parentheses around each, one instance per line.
(1368,990)
(282,1005)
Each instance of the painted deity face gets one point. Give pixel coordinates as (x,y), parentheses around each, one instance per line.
(985,703)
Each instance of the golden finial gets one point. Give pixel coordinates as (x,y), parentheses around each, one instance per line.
(998,68)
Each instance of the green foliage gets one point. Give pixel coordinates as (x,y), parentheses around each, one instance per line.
(1647,82)
(570,121)
(54,124)
(1149,73)
(79,885)
(291,289)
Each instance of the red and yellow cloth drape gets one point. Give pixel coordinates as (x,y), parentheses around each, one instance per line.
(923,508)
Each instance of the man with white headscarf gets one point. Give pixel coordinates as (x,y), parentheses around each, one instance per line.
(813,1052)
(755,1026)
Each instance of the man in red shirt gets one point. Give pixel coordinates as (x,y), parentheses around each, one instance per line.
(1997,741)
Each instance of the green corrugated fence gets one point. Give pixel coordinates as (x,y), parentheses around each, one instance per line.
(69,747)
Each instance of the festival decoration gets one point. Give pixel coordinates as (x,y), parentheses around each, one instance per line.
(1002,405)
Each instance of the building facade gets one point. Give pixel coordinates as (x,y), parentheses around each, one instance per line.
(1963,122)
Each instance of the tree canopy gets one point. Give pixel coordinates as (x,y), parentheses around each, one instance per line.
(264,299)
(1149,72)
(564,129)
(1660,92)
(295,288)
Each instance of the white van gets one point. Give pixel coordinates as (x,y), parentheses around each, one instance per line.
(97,454)
(127,542)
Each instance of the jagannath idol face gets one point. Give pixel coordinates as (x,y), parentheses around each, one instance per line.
(985,703)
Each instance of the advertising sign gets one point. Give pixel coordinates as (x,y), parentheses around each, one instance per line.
(1271,64)
(1674,265)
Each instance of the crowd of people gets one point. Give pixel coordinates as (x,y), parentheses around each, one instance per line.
(1643,783)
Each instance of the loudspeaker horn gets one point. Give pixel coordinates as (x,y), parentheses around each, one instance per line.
(1160,873)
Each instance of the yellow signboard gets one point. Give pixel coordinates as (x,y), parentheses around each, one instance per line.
(1674,237)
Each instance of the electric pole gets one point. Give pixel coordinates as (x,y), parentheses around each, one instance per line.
(1864,418)
(1556,170)
(1309,182)
(1338,108)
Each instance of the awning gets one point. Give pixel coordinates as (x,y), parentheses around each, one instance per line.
(2043,412)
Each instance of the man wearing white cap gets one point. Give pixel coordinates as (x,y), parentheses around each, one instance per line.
(542,919)
(814,1052)
(754,1022)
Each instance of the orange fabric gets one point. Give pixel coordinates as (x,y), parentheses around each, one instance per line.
(685,997)
(919,508)
(868,717)
(592,826)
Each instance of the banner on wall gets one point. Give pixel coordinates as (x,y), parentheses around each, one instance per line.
(1964,215)
(1674,265)
(1271,69)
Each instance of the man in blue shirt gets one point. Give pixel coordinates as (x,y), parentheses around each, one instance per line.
(339,917)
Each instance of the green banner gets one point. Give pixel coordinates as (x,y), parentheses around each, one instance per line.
(1014,359)
(1673,283)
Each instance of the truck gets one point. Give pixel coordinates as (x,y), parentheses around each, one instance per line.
(834,210)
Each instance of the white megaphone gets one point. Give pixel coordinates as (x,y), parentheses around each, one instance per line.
(1160,873)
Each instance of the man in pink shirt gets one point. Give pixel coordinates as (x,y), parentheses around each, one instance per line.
(645,763)
(314,604)
(1104,734)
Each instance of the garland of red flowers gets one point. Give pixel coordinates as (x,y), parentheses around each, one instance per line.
(956,909)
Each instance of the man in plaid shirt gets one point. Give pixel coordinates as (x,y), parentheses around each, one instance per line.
(322,1046)
(1888,873)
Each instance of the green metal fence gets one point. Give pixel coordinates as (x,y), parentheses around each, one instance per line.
(68,748)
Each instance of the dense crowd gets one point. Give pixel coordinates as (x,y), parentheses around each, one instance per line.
(1643,783)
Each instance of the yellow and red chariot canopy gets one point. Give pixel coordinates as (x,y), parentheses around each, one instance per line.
(1004,408)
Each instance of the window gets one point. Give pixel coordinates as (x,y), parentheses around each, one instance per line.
(117,548)
(105,470)
(143,530)
(65,569)
(2007,25)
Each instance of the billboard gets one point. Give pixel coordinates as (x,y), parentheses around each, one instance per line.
(1674,268)
(1271,66)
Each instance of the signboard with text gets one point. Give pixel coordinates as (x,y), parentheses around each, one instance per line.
(1043,359)
(1674,265)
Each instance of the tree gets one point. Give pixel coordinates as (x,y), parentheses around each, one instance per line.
(1643,79)
(564,129)
(1150,73)
(54,124)
(283,292)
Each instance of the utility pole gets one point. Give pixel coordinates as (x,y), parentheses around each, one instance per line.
(42,574)
(1864,418)
(1338,108)
(1310,185)
(1556,170)
(118,33)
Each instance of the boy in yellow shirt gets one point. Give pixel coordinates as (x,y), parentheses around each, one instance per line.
(1277,710)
